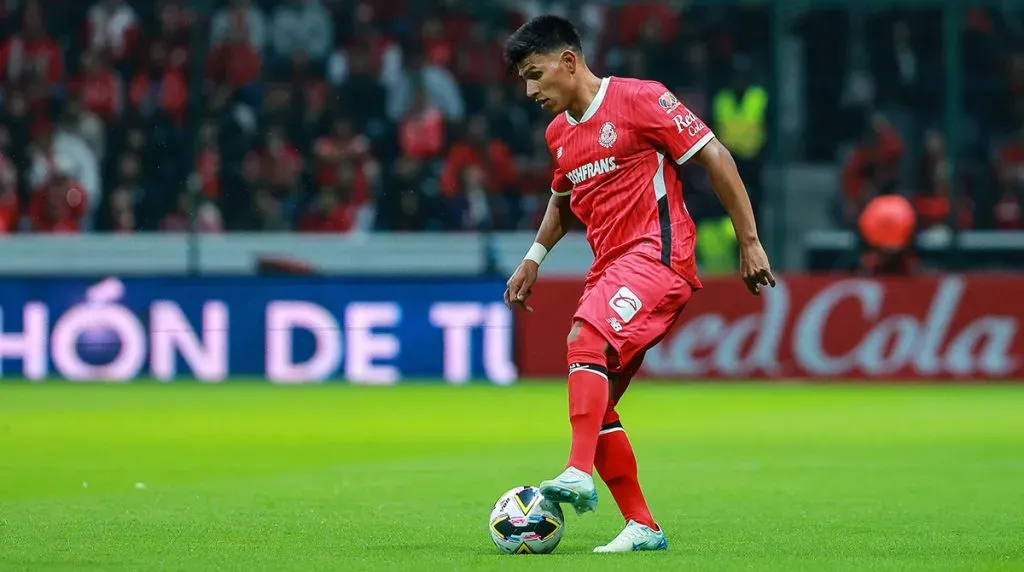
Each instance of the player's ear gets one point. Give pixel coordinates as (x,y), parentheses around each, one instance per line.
(569,60)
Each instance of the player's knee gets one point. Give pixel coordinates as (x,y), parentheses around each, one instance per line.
(611,418)
(574,333)
(587,346)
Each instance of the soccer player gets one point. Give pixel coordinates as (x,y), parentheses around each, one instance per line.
(617,143)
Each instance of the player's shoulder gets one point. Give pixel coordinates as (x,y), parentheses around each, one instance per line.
(556,127)
(635,86)
(646,94)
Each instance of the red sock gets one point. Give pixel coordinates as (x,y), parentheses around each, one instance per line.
(616,464)
(588,401)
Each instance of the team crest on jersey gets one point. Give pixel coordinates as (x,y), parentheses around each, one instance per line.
(559,154)
(668,102)
(608,135)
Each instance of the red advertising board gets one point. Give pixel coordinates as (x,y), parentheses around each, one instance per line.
(815,327)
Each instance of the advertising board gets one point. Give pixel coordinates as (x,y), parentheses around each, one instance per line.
(283,329)
(815,327)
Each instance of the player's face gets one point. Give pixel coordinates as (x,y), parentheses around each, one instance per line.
(549,79)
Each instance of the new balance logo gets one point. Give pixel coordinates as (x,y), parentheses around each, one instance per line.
(599,167)
(615,324)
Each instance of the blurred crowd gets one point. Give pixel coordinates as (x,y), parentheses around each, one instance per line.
(893,109)
(347,115)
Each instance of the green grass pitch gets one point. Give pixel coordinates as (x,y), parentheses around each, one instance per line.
(247,476)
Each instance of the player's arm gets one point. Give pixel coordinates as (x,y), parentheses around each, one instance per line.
(556,223)
(725,179)
(668,125)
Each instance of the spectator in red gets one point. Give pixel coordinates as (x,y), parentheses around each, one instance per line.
(933,200)
(421,131)
(112,29)
(1009,212)
(31,57)
(234,64)
(478,149)
(160,87)
(99,87)
(59,205)
(208,161)
(255,23)
(280,163)
(385,54)
(9,204)
(333,209)
(175,21)
(326,214)
(342,145)
(872,168)
(634,16)
(1009,166)
(438,48)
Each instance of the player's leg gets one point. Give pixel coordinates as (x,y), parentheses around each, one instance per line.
(660,295)
(615,461)
(588,401)
(617,465)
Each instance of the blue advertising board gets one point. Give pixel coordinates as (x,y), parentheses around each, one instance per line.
(283,329)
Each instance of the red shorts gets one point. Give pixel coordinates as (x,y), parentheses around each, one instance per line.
(633,303)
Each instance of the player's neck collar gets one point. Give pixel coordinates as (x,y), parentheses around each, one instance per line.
(594,105)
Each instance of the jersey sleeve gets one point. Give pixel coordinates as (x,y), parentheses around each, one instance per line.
(560,184)
(663,121)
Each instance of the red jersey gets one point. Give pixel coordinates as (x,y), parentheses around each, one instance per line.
(619,164)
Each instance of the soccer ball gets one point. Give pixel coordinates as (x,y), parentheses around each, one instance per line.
(523,522)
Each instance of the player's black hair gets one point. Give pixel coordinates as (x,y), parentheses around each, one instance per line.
(542,35)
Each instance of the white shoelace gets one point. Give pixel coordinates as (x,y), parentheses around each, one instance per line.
(631,533)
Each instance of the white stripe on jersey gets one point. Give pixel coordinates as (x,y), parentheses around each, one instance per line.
(659,178)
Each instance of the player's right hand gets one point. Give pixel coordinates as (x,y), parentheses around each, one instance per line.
(755,268)
(520,285)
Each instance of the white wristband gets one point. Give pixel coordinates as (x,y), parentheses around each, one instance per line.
(536,253)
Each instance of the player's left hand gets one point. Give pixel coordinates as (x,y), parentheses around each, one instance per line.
(755,268)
